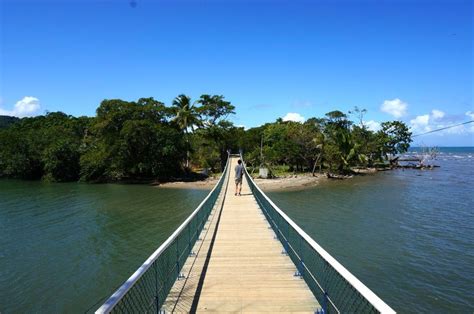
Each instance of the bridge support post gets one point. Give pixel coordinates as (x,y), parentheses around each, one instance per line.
(285,247)
(300,267)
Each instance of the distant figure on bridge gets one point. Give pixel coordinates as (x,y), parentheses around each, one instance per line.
(239,173)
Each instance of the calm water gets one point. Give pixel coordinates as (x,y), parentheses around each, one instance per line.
(65,246)
(408,235)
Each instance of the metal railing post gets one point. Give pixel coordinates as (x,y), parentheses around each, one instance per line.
(300,266)
(177,257)
(157,297)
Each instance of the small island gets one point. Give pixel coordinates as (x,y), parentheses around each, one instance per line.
(145,141)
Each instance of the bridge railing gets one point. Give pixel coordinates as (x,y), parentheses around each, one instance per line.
(335,288)
(146,290)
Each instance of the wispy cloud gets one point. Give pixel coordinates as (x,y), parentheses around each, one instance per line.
(293,116)
(28,106)
(394,107)
(438,119)
(437,114)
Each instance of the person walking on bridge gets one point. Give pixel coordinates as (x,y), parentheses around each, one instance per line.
(239,173)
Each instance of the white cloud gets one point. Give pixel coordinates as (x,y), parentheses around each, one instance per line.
(372,125)
(395,107)
(437,119)
(293,116)
(437,114)
(470,114)
(421,120)
(28,106)
(420,123)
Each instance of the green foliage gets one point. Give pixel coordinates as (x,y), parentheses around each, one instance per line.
(333,142)
(214,108)
(215,133)
(61,160)
(132,140)
(6,121)
(125,140)
(145,139)
(17,158)
(394,138)
(43,147)
(185,114)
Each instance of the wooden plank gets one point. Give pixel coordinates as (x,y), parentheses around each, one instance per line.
(247,271)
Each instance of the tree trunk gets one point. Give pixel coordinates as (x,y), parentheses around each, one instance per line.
(187,159)
(315,163)
(187,150)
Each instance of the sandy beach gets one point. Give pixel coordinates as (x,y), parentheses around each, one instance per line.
(298,181)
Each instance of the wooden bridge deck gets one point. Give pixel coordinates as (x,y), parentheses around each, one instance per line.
(239,265)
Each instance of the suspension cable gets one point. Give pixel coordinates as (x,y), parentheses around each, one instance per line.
(447,127)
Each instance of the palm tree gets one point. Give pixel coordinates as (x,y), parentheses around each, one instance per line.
(186,116)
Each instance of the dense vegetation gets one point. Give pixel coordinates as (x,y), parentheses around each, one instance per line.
(6,121)
(145,140)
(334,143)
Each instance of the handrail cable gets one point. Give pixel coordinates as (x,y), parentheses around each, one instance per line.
(444,128)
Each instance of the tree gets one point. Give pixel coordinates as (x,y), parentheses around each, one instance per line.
(150,150)
(359,113)
(132,140)
(214,111)
(339,151)
(214,108)
(44,147)
(61,160)
(337,119)
(16,157)
(394,138)
(186,116)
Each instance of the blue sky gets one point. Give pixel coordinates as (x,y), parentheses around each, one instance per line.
(406,60)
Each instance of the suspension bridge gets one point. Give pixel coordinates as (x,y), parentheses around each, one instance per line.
(241,254)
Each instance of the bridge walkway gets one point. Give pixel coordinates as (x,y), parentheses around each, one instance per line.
(238,265)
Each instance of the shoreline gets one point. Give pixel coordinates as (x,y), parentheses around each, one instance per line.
(299,181)
(288,182)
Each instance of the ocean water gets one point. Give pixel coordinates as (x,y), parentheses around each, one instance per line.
(66,246)
(407,234)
